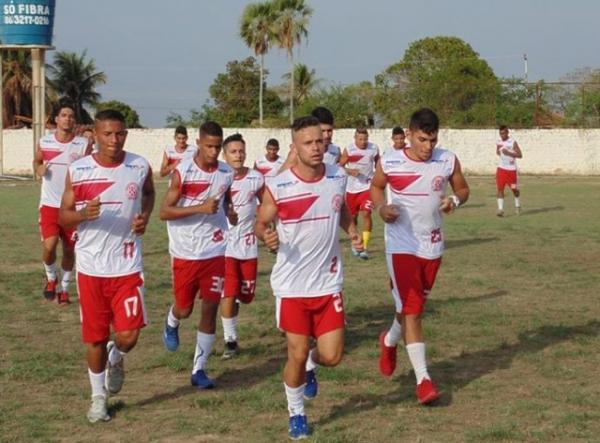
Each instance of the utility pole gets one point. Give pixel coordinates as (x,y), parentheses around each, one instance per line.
(525,61)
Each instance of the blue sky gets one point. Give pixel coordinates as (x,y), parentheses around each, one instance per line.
(162,56)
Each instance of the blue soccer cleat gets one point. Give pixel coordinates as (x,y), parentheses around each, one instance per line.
(312,385)
(171,337)
(298,427)
(201,381)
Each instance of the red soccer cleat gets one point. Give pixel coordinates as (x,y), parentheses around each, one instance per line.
(63,298)
(50,290)
(387,357)
(427,392)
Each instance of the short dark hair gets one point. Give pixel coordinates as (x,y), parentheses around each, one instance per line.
(62,103)
(397,131)
(362,130)
(425,120)
(237,137)
(323,114)
(304,122)
(110,114)
(211,128)
(273,142)
(181,130)
(502,127)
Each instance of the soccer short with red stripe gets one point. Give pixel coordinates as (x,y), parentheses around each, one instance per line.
(106,301)
(197,278)
(310,316)
(49,227)
(240,278)
(359,201)
(412,278)
(504,177)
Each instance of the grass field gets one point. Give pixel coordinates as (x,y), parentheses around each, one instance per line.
(512,326)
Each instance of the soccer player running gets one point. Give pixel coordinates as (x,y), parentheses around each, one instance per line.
(270,163)
(508,152)
(359,159)
(109,196)
(398,140)
(194,208)
(53,156)
(242,252)
(307,203)
(174,154)
(414,239)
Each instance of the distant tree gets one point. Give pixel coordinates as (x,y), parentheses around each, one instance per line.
(515,103)
(305,82)
(291,25)
(17,82)
(77,78)
(132,119)
(258,33)
(582,99)
(175,119)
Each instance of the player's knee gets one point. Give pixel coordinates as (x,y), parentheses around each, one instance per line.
(330,358)
(298,354)
(184,312)
(126,340)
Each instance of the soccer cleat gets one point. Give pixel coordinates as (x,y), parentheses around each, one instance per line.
(115,374)
(50,290)
(201,381)
(355,253)
(98,410)
(298,428)
(500,213)
(231,350)
(387,356)
(518,210)
(312,385)
(171,337)
(364,254)
(427,392)
(63,298)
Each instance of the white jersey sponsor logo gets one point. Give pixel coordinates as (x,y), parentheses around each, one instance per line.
(58,157)
(364,161)
(200,236)
(506,161)
(332,155)
(241,239)
(417,188)
(308,219)
(106,247)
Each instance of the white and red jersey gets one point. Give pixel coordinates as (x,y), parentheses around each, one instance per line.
(173,155)
(309,263)
(506,161)
(268,168)
(417,188)
(106,247)
(58,157)
(241,239)
(332,155)
(364,161)
(200,236)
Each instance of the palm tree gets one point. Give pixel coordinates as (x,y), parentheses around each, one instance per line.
(76,78)
(257,31)
(291,25)
(305,82)
(17,82)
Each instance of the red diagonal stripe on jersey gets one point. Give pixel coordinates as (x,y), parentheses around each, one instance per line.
(400,182)
(193,189)
(353,158)
(233,192)
(90,190)
(263,171)
(295,209)
(50,154)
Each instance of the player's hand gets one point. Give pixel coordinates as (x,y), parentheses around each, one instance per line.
(271,239)
(139,223)
(232,216)
(353,172)
(91,210)
(357,243)
(210,206)
(447,206)
(389,213)
(42,170)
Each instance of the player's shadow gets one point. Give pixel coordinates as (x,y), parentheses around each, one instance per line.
(469,241)
(457,372)
(542,210)
(472,206)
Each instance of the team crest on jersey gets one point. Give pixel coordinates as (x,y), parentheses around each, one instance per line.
(132,191)
(222,189)
(437,184)
(336,202)
(74,156)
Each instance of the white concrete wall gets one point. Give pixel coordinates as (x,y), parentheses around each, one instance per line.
(557,151)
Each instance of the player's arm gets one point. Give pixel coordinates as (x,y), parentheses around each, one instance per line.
(229,209)
(460,188)
(264,221)
(388,213)
(169,209)
(290,161)
(344,161)
(39,168)
(89,148)
(165,167)
(516,151)
(347,224)
(68,216)
(140,221)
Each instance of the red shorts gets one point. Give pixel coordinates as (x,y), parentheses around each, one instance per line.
(49,227)
(110,300)
(360,201)
(311,316)
(504,177)
(240,278)
(202,278)
(412,278)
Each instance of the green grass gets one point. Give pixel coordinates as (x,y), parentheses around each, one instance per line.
(512,329)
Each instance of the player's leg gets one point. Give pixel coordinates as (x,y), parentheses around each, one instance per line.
(185,289)
(516,193)
(500,184)
(388,339)
(50,233)
(229,305)
(366,206)
(353,206)
(67,263)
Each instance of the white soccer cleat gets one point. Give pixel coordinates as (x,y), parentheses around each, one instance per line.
(98,409)
(115,374)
